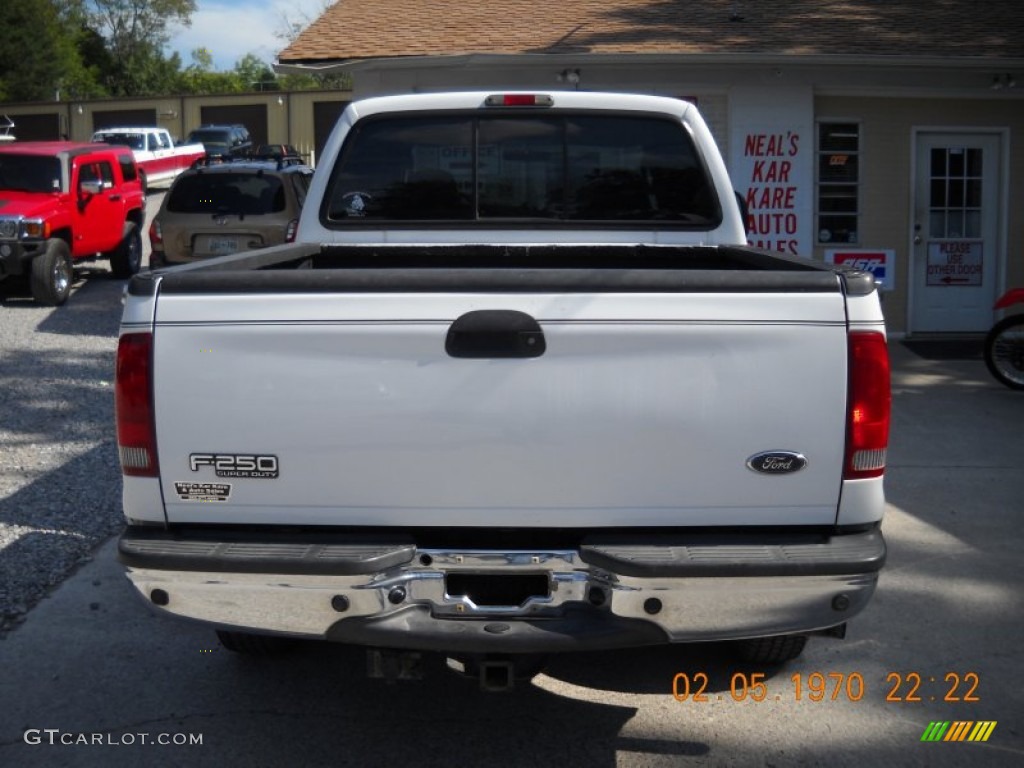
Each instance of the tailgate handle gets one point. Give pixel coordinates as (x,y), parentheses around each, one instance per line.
(492,333)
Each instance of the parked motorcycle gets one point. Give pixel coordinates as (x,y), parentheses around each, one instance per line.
(1004,345)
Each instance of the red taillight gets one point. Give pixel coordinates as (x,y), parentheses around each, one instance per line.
(133,405)
(290,230)
(156,235)
(868,409)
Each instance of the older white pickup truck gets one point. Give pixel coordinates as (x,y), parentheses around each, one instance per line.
(159,159)
(522,388)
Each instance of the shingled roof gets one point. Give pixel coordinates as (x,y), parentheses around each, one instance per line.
(357,29)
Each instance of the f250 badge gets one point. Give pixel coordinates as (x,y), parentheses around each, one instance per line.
(777,462)
(235,465)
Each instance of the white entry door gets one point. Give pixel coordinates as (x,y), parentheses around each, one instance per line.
(956,232)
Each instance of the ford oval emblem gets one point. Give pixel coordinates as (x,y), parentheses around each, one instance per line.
(777,462)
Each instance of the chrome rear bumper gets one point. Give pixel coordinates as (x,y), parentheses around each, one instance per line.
(605,593)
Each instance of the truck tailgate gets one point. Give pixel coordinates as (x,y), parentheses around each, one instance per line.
(643,410)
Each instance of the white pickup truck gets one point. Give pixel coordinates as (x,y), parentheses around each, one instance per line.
(156,155)
(522,388)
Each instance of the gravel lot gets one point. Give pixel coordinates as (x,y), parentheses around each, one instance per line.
(60,484)
(59,479)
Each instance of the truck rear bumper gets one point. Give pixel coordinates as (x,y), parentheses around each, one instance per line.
(609,591)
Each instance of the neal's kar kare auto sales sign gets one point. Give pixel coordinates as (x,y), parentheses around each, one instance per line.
(772,194)
(771,162)
(955,263)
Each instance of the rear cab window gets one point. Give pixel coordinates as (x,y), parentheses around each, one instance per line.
(472,168)
(124,139)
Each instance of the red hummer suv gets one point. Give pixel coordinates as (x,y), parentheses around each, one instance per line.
(63,201)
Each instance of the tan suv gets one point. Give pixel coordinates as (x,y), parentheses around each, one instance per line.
(233,206)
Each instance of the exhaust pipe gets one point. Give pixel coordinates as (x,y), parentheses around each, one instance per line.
(838,631)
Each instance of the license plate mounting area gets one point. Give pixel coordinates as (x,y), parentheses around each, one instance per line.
(497,589)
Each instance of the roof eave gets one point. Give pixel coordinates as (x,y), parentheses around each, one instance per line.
(333,66)
(312,66)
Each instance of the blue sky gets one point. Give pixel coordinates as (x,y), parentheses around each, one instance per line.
(230,29)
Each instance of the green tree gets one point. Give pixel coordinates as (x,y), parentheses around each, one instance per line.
(39,59)
(96,62)
(136,32)
(255,74)
(199,77)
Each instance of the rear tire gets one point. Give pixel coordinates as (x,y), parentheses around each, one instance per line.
(1004,351)
(127,258)
(52,274)
(771,650)
(251,644)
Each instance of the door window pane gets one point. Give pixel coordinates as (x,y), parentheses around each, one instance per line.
(955,192)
